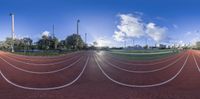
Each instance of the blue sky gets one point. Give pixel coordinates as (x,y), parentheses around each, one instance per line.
(177,20)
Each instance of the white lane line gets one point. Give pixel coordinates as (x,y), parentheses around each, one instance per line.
(146,71)
(48,72)
(196,63)
(46,64)
(47,88)
(142,86)
(154,63)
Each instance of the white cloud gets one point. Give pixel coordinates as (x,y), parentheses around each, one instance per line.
(133,27)
(194,40)
(194,36)
(155,32)
(181,43)
(18,36)
(46,33)
(101,42)
(119,36)
(129,27)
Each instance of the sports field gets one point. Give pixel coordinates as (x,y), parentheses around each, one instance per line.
(144,54)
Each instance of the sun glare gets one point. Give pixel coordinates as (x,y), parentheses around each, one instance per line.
(103,42)
(99,43)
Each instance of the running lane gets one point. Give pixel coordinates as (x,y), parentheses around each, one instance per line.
(94,85)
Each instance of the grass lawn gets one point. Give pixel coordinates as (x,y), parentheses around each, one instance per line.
(144,56)
(144,51)
(44,53)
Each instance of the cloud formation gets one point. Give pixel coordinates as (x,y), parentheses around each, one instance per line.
(46,33)
(133,27)
(129,27)
(155,32)
(194,36)
(102,42)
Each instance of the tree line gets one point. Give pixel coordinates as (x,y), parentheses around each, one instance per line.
(72,42)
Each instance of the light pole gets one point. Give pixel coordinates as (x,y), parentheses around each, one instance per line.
(78,21)
(13,30)
(54,38)
(53,32)
(85,38)
(124,43)
(133,42)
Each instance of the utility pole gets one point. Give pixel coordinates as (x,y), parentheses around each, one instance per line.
(78,21)
(13,31)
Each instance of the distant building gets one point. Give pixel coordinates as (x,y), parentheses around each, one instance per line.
(162,46)
(136,47)
(198,45)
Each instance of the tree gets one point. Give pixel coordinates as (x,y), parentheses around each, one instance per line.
(146,47)
(4,45)
(55,42)
(19,44)
(27,42)
(74,41)
(61,45)
(7,44)
(47,43)
(43,43)
(95,43)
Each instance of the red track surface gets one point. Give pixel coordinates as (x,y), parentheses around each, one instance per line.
(181,80)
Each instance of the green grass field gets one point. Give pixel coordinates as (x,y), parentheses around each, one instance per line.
(144,51)
(44,53)
(137,56)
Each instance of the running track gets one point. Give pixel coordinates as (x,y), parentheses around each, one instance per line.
(99,75)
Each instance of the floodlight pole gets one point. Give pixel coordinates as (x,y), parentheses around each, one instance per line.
(78,21)
(124,43)
(189,45)
(13,31)
(85,38)
(54,38)
(77,24)
(147,41)
(53,32)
